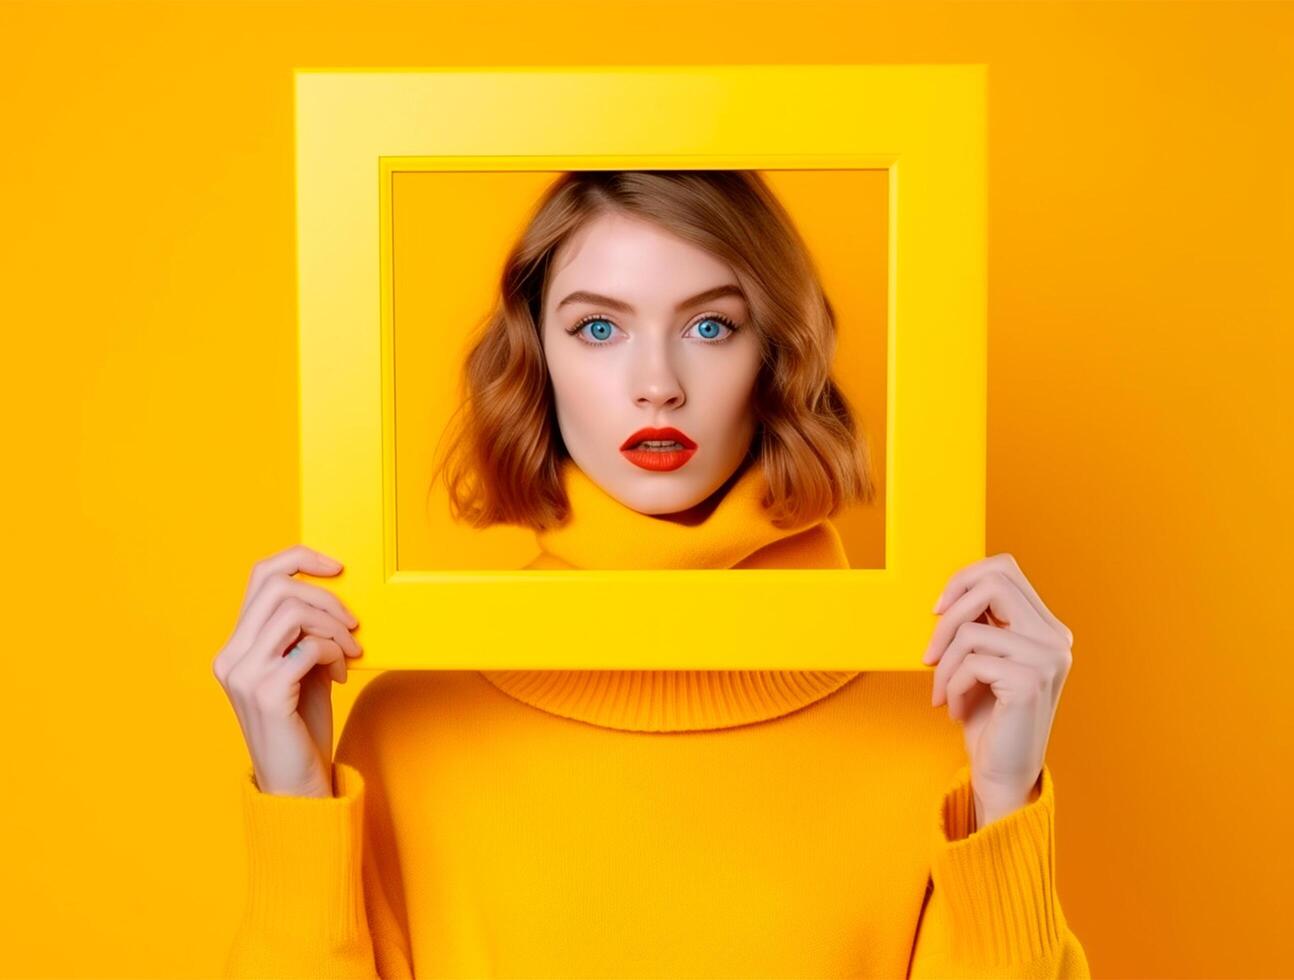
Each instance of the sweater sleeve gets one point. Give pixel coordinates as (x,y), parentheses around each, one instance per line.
(993,909)
(323,892)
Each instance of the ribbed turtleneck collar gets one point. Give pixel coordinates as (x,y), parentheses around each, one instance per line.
(736,532)
(601,532)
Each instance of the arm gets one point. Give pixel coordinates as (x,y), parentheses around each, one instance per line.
(319,903)
(994,910)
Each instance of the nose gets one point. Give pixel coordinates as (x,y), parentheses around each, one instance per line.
(656,384)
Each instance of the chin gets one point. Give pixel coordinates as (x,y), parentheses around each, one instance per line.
(668,509)
(658,501)
(664,494)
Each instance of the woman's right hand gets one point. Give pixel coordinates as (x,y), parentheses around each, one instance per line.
(284,699)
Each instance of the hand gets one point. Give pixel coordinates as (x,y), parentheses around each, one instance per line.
(1002,661)
(290,643)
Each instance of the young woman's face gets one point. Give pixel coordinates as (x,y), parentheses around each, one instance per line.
(629,345)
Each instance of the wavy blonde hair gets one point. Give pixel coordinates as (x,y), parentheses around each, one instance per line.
(504,451)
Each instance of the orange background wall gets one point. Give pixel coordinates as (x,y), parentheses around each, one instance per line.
(1142,241)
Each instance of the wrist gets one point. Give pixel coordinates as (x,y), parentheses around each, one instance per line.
(991,807)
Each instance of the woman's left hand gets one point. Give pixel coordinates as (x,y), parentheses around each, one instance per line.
(1002,661)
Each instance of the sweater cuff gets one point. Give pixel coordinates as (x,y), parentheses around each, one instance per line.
(998,881)
(304,857)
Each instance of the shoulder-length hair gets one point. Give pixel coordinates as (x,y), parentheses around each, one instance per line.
(504,452)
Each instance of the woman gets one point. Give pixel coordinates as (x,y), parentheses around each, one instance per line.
(654,392)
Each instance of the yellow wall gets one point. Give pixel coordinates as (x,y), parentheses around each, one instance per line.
(1142,239)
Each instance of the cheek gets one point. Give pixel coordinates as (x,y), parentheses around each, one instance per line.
(729,393)
(581,393)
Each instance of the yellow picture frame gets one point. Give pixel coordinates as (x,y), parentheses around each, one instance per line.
(924,124)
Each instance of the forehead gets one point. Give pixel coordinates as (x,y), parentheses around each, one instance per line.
(633,259)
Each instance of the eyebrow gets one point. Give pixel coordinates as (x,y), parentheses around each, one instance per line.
(584,296)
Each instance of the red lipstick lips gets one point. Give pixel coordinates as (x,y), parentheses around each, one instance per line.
(660,458)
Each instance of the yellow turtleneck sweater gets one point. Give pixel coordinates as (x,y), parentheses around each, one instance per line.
(652,823)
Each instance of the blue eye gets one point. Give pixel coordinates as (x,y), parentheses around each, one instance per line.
(601,327)
(712,323)
(708,327)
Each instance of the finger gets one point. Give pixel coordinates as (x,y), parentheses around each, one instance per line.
(292,618)
(274,591)
(1009,682)
(1005,563)
(993,641)
(336,666)
(315,710)
(993,593)
(298,558)
(310,652)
